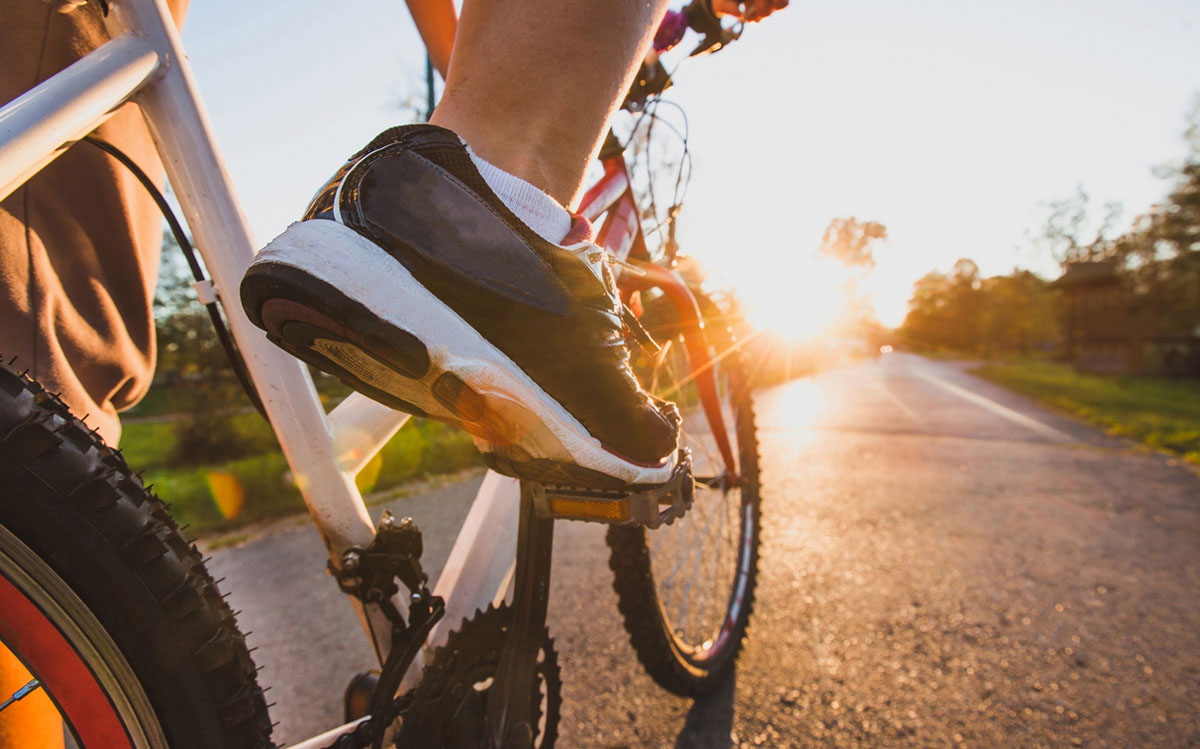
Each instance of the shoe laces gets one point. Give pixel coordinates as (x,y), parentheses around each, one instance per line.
(596,258)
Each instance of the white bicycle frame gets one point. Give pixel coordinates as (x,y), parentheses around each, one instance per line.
(144,62)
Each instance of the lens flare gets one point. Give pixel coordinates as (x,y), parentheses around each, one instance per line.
(227,493)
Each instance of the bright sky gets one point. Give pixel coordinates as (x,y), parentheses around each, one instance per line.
(947,121)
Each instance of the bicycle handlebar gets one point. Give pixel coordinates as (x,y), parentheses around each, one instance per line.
(701,19)
(698,16)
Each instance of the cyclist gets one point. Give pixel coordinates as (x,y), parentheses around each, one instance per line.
(474,296)
(467,214)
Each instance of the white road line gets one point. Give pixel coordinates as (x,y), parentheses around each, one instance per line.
(1020,419)
(879,383)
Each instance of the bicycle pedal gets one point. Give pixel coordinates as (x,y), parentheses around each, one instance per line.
(648,506)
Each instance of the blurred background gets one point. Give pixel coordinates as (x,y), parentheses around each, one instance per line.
(1017,183)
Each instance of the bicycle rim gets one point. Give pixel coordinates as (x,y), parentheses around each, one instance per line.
(66,649)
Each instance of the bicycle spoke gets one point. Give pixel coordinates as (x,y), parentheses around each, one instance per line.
(699,559)
(716,555)
(21,694)
(699,533)
(693,618)
(695,561)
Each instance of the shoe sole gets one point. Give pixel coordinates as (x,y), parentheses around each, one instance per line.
(336,300)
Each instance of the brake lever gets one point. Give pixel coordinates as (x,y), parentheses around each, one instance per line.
(703,20)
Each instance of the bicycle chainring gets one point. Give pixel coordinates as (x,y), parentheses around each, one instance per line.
(448,708)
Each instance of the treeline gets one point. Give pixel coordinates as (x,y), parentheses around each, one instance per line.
(963,312)
(1153,269)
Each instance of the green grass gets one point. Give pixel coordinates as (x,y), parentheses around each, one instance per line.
(227,495)
(163,400)
(944,354)
(152,442)
(1164,414)
(148,443)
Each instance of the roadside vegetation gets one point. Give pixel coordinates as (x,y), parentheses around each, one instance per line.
(1162,413)
(1126,300)
(221,471)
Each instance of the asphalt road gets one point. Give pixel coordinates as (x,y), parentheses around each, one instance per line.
(943,563)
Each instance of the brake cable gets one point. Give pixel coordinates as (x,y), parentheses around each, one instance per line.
(214,313)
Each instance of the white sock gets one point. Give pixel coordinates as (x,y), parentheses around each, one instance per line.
(536,209)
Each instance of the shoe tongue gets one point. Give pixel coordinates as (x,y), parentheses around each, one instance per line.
(594,279)
(581,231)
(593,257)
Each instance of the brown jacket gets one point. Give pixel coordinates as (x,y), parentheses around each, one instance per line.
(79,242)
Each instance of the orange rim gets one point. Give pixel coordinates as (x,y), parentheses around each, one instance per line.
(53,660)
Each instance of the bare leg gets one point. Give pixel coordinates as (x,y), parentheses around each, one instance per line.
(533,83)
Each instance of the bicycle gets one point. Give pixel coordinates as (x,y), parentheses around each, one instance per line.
(111,608)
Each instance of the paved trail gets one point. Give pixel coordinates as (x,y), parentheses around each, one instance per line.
(943,562)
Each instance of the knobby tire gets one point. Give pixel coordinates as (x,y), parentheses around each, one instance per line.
(76,505)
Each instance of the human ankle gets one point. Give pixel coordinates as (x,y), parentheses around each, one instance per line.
(520,150)
(536,209)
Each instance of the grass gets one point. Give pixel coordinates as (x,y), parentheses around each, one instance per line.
(151,443)
(166,400)
(944,354)
(222,496)
(1164,414)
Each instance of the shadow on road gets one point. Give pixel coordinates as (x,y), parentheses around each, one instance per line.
(710,721)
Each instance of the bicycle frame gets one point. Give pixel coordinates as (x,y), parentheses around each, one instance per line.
(144,62)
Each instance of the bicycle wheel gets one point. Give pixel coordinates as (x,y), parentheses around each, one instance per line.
(686,590)
(104,601)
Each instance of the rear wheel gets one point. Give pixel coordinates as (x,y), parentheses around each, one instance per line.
(104,602)
(686,590)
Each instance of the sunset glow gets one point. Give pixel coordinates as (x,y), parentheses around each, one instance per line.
(888,131)
(797,298)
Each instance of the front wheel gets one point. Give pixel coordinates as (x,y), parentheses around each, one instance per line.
(685,590)
(106,607)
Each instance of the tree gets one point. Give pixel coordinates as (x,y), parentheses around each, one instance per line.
(927,318)
(1071,235)
(961,311)
(187,345)
(1179,222)
(852,241)
(1161,254)
(1157,262)
(944,311)
(1017,313)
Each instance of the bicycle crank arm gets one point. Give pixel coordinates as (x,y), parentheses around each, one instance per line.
(648,506)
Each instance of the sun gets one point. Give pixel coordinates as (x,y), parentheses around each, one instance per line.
(798,301)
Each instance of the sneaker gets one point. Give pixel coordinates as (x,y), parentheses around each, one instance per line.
(414,284)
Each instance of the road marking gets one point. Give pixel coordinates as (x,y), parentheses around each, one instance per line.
(899,403)
(1015,417)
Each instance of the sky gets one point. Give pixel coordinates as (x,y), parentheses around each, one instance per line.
(951,122)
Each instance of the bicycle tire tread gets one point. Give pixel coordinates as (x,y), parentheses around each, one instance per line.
(201,644)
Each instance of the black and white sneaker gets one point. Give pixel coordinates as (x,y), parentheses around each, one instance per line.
(412,282)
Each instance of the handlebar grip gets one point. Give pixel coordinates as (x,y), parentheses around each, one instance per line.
(701,17)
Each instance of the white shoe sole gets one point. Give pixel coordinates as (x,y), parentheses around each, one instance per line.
(467,382)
